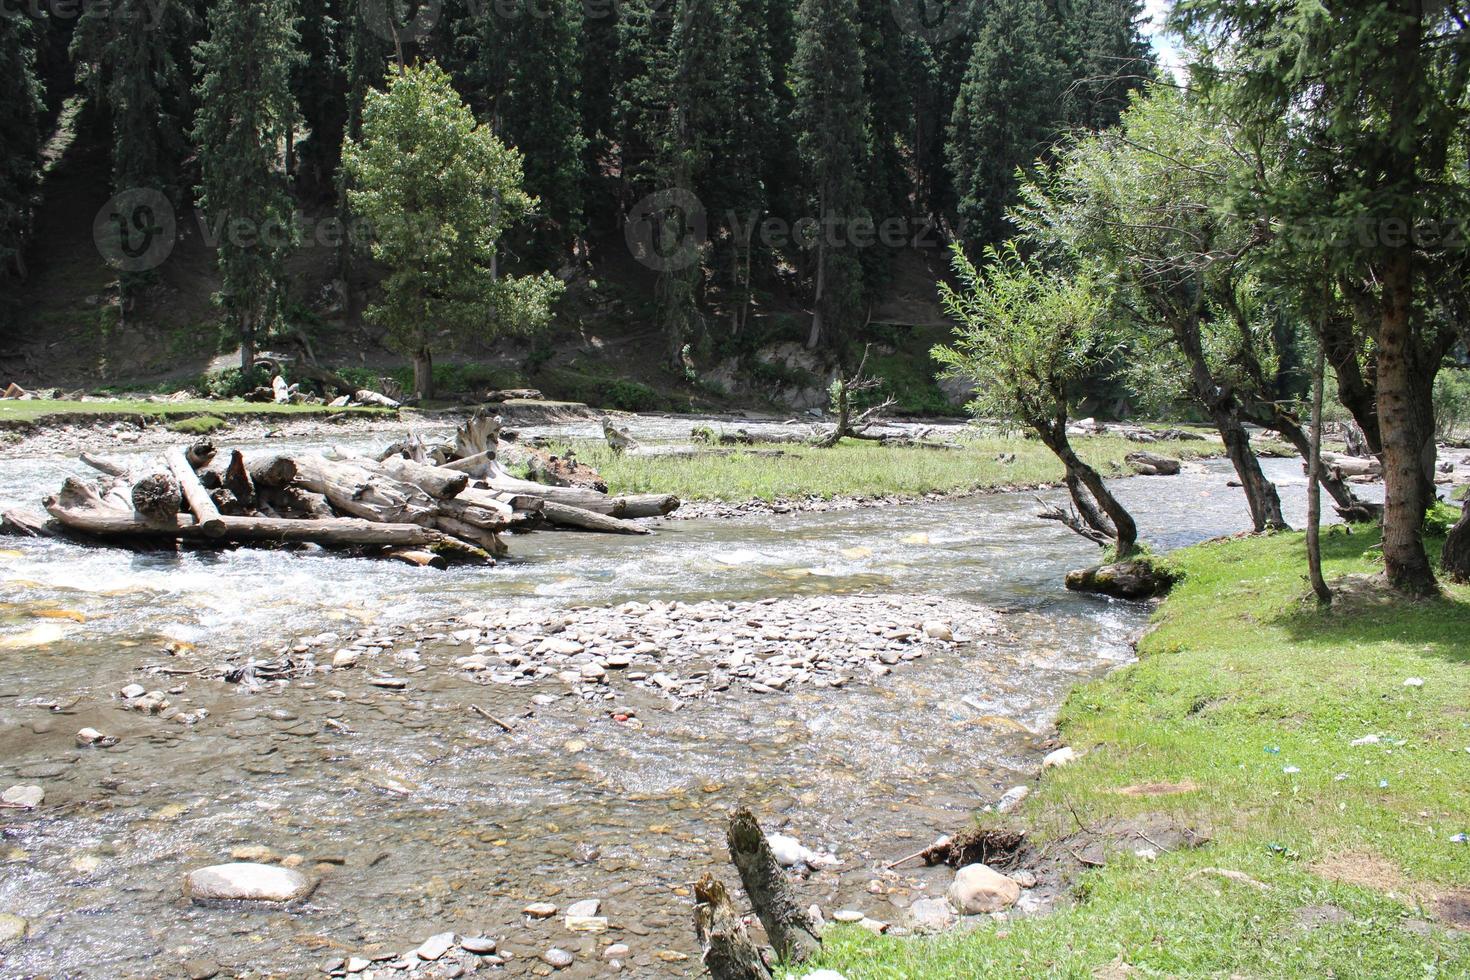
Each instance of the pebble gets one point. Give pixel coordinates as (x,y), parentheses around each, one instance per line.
(932,914)
(26,796)
(589,906)
(616,951)
(847,915)
(1012,798)
(356,964)
(201,969)
(133,691)
(558,958)
(435,946)
(936,630)
(343,659)
(540,910)
(479,945)
(91,736)
(12,928)
(245,882)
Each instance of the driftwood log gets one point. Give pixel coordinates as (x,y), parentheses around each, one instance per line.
(791,930)
(726,949)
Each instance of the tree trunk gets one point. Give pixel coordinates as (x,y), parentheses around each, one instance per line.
(1260,493)
(1404,482)
(1348,504)
(788,925)
(1314,490)
(423,373)
(247,345)
(1102,511)
(1354,391)
(1456,558)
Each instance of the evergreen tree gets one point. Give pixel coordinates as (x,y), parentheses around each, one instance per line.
(245,115)
(1108,59)
(131,58)
(1008,112)
(439,189)
(20,144)
(831,125)
(319,86)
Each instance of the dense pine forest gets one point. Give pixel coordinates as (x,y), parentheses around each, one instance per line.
(750,155)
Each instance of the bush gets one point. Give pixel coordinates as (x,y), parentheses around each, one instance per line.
(198,425)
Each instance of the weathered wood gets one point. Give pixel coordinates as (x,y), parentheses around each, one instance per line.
(1152,464)
(84,510)
(109,466)
(726,949)
(482,511)
(787,923)
(156,497)
(478,536)
(639,505)
(417,556)
(201,505)
(23,523)
(200,455)
(477,466)
(507,394)
(479,434)
(433,480)
(361,492)
(565,515)
(365,397)
(293,502)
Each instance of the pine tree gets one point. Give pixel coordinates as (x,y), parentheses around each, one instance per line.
(245,115)
(20,143)
(131,57)
(319,86)
(1008,113)
(526,71)
(1108,59)
(831,125)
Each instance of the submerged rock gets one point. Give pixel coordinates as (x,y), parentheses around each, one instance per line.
(1122,580)
(12,928)
(977,889)
(24,796)
(246,882)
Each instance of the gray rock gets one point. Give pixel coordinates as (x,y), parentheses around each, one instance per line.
(479,945)
(26,796)
(12,928)
(246,882)
(590,906)
(977,889)
(435,946)
(932,914)
(557,958)
(617,951)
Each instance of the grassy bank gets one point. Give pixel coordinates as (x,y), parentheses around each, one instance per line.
(856,468)
(1247,700)
(21,412)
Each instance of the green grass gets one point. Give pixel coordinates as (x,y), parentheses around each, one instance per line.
(197,424)
(856,468)
(1241,679)
(22,411)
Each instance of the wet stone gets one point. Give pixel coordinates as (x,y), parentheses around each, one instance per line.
(558,958)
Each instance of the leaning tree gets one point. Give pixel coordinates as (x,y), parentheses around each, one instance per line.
(1026,337)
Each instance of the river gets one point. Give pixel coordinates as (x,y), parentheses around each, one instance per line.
(427,818)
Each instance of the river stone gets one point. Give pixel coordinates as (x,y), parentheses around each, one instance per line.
(12,928)
(932,914)
(540,910)
(557,958)
(479,945)
(616,951)
(977,889)
(1059,758)
(26,796)
(590,906)
(435,946)
(936,630)
(246,882)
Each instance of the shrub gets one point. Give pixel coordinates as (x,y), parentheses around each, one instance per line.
(1451,401)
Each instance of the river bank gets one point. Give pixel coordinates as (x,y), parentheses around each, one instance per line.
(1322,755)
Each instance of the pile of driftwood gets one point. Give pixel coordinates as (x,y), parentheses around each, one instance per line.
(420,504)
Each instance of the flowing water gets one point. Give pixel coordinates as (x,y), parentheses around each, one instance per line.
(428,818)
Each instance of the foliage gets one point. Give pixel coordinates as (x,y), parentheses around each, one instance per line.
(1451,401)
(20,144)
(439,189)
(197,425)
(1239,684)
(1026,335)
(245,112)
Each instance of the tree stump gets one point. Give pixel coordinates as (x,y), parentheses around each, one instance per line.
(727,950)
(156,498)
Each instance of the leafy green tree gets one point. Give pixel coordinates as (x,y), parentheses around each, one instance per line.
(245,116)
(1374,95)
(20,143)
(1026,336)
(439,189)
(831,118)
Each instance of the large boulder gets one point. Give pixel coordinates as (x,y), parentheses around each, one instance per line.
(1135,579)
(1152,464)
(978,889)
(246,882)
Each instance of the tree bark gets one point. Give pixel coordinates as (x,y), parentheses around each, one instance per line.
(1098,507)
(1406,563)
(1314,490)
(788,925)
(727,950)
(201,505)
(1456,557)
(423,373)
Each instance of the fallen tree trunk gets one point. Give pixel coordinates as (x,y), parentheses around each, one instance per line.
(787,923)
(433,480)
(361,492)
(565,515)
(155,498)
(198,499)
(639,505)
